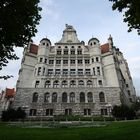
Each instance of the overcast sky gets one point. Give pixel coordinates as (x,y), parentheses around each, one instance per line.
(90,18)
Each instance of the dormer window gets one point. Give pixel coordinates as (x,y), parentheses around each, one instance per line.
(91,44)
(94,43)
(47,44)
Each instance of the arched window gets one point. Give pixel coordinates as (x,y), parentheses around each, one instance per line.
(102,97)
(54,97)
(90,97)
(72,97)
(64,97)
(35,97)
(56,83)
(46,97)
(72,83)
(64,83)
(47,84)
(81,83)
(89,83)
(82,97)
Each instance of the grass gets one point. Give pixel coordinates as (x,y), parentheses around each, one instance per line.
(114,131)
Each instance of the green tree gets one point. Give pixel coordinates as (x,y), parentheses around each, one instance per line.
(18,20)
(131,10)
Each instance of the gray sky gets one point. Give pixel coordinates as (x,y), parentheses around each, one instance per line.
(90,18)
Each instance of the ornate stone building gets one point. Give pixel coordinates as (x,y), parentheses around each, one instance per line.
(73,78)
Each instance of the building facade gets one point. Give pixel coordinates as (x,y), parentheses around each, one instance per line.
(73,78)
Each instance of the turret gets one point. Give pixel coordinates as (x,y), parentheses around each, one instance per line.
(94,46)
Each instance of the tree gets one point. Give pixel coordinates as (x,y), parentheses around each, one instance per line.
(18,20)
(131,12)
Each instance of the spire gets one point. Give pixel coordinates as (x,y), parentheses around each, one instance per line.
(110,40)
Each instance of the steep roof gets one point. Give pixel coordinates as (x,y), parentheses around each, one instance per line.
(33,48)
(105,48)
(9,92)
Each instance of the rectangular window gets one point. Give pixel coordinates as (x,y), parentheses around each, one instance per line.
(43,71)
(41,59)
(50,71)
(57,72)
(87,112)
(97,59)
(87,61)
(65,61)
(72,52)
(79,52)
(49,112)
(100,82)
(68,111)
(58,61)
(51,61)
(59,52)
(80,71)
(98,71)
(45,60)
(39,71)
(65,52)
(72,61)
(92,60)
(80,61)
(65,71)
(104,112)
(87,71)
(32,112)
(94,71)
(72,71)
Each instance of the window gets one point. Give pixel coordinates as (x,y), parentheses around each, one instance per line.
(80,71)
(64,97)
(46,97)
(50,71)
(66,47)
(89,97)
(46,60)
(59,47)
(68,111)
(89,83)
(80,61)
(79,47)
(72,83)
(104,112)
(72,72)
(130,99)
(49,112)
(47,84)
(54,97)
(72,52)
(102,97)
(59,52)
(87,61)
(39,71)
(94,43)
(56,83)
(100,82)
(87,71)
(65,61)
(41,59)
(43,43)
(72,61)
(79,52)
(72,47)
(94,71)
(64,83)
(37,84)
(58,61)
(92,60)
(72,97)
(127,85)
(65,52)
(51,61)
(65,71)
(43,71)
(81,83)
(87,112)
(97,59)
(57,72)
(128,91)
(82,97)
(98,71)
(35,97)
(32,112)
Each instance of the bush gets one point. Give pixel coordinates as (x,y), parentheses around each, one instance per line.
(12,114)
